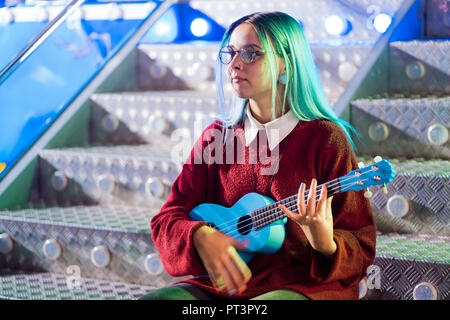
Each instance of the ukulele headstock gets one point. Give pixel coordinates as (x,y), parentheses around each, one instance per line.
(381,172)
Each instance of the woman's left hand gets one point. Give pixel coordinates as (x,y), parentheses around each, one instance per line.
(316,221)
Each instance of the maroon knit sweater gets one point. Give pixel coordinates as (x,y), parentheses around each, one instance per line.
(316,149)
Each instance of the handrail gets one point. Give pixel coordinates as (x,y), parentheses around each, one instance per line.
(38,39)
(21,164)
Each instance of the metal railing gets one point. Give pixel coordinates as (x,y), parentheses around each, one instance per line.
(38,39)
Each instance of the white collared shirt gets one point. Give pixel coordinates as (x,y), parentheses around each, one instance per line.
(275,130)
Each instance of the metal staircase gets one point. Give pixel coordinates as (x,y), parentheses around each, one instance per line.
(84,231)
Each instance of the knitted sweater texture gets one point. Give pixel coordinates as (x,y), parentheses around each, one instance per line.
(316,149)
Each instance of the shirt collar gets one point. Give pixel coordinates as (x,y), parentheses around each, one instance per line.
(276,130)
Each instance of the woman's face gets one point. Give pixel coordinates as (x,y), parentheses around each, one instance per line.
(253,80)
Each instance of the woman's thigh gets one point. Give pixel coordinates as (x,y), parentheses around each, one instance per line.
(281,294)
(180,291)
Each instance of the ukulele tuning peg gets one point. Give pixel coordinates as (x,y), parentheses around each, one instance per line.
(377,159)
(385,190)
(368,194)
(361,164)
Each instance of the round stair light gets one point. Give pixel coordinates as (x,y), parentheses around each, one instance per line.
(159,124)
(110,123)
(106,183)
(397,206)
(425,291)
(6,243)
(378,131)
(156,188)
(100,256)
(52,249)
(347,71)
(415,70)
(199,27)
(437,134)
(157,71)
(336,25)
(153,264)
(59,181)
(382,22)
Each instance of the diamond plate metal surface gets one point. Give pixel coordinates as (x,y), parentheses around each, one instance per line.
(399,278)
(47,286)
(176,112)
(429,55)
(426,186)
(407,260)
(337,62)
(417,247)
(108,175)
(125,231)
(408,121)
(311,13)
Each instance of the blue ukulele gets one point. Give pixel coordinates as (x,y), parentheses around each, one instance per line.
(258,221)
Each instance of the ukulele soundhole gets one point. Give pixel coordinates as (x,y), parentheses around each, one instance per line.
(212,225)
(245,225)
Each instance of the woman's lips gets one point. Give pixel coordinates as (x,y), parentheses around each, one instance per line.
(237,80)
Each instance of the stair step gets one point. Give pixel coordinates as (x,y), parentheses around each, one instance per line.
(417,247)
(420,66)
(146,117)
(165,67)
(106,242)
(125,175)
(400,126)
(226,12)
(417,199)
(48,286)
(407,267)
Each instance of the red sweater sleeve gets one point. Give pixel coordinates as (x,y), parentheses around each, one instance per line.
(354,224)
(172,231)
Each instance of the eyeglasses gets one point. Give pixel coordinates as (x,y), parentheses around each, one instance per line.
(247,55)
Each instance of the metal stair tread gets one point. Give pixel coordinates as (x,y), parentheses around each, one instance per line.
(417,166)
(427,50)
(419,247)
(50,286)
(215,45)
(157,94)
(104,217)
(417,98)
(159,150)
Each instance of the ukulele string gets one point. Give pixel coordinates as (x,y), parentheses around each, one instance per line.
(332,184)
(272,213)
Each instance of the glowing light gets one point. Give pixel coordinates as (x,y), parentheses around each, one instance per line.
(381,22)
(336,25)
(199,27)
(165,29)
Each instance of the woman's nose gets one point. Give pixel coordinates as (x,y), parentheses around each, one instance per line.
(236,62)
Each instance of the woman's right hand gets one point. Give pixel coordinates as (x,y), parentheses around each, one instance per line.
(218,253)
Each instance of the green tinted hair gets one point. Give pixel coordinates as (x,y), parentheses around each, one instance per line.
(281,34)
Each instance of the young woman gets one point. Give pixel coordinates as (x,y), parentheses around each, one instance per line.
(328,244)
